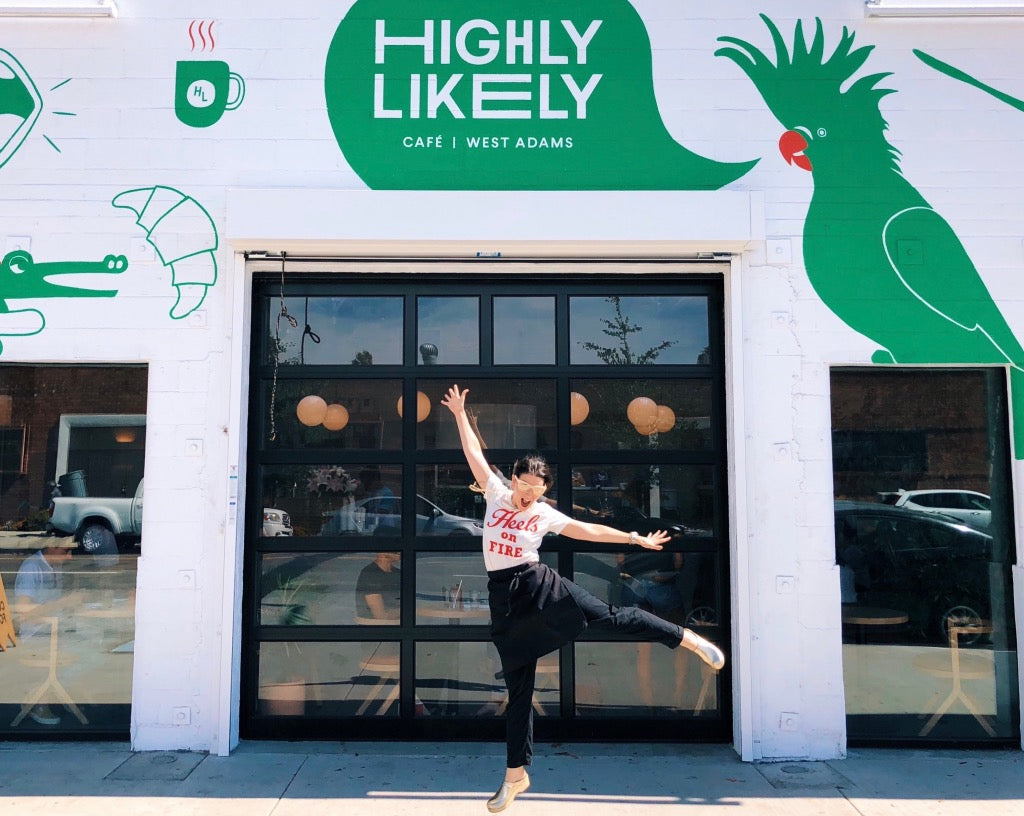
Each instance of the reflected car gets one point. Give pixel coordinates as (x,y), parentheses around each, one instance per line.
(930,566)
(276,522)
(382,515)
(968,506)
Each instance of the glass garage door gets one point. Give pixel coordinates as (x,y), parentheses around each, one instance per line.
(365,592)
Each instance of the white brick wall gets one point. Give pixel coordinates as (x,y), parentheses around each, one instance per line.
(960,148)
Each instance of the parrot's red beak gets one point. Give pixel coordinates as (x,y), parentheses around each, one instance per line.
(792,145)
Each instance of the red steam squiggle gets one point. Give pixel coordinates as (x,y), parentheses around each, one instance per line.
(202,35)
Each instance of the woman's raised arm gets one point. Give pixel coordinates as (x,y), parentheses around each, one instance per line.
(455,401)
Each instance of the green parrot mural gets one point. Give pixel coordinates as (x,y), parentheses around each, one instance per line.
(879,256)
(956,73)
(491,95)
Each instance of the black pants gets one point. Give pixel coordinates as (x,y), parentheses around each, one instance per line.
(627,620)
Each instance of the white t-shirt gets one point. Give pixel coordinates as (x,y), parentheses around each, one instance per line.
(512,537)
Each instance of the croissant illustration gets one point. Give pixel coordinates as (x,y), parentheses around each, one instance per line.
(184,237)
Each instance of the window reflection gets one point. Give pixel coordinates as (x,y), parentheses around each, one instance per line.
(448,330)
(451,589)
(646,497)
(641,679)
(924,546)
(524,330)
(335,331)
(329,679)
(328,500)
(327,589)
(513,413)
(651,330)
(71,435)
(669,414)
(350,414)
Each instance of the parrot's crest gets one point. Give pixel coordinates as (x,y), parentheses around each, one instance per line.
(803,81)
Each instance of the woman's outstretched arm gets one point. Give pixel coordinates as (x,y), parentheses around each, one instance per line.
(602,533)
(455,401)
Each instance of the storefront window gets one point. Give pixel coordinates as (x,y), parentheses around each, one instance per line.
(649,330)
(507,413)
(924,544)
(72,434)
(332,500)
(645,497)
(448,330)
(331,414)
(524,330)
(642,414)
(359,331)
(356,470)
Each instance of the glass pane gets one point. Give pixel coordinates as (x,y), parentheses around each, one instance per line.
(451,590)
(324,500)
(642,680)
(335,331)
(639,414)
(676,586)
(332,414)
(650,330)
(449,507)
(512,413)
(524,330)
(329,679)
(324,589)
(457,679)
(924,559)
(448,330)
(646,497)
(73,435)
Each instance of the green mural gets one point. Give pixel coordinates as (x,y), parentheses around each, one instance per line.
(956,73)
(20,105)
(184,236)
(21,278)
(457,95)
(875,251)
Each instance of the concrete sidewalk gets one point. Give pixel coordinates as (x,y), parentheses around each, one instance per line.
(371,779)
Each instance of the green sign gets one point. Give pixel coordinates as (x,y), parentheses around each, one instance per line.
(489,95)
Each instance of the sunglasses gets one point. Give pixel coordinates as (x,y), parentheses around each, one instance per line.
(519,484)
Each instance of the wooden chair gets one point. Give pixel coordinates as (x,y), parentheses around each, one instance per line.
(383,665)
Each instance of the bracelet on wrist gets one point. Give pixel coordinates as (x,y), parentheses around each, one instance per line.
(632,538)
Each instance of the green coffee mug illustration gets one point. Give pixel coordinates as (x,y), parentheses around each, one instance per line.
(204,89)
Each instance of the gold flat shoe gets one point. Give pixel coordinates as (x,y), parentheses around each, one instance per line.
(507,793)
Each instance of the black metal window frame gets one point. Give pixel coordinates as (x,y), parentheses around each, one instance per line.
(438,280)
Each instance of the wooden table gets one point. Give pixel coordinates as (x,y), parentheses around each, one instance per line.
(959,667)
(455,616)
(865,616)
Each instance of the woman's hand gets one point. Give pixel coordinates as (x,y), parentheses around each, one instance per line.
(654,541)
(455,400)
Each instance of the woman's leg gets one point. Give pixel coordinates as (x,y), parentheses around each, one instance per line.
(628,620)
(519,719)
(643,625)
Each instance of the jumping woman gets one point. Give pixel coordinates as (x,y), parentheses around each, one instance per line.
(533,609)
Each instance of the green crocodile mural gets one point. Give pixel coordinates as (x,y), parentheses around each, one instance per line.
(22,278)
(879,256)
(536,95)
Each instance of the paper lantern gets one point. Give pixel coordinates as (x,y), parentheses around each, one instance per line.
(336,417)
(642,412)
(579,408)
(666,420)
(422,406)
(311,410)
(645,430)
